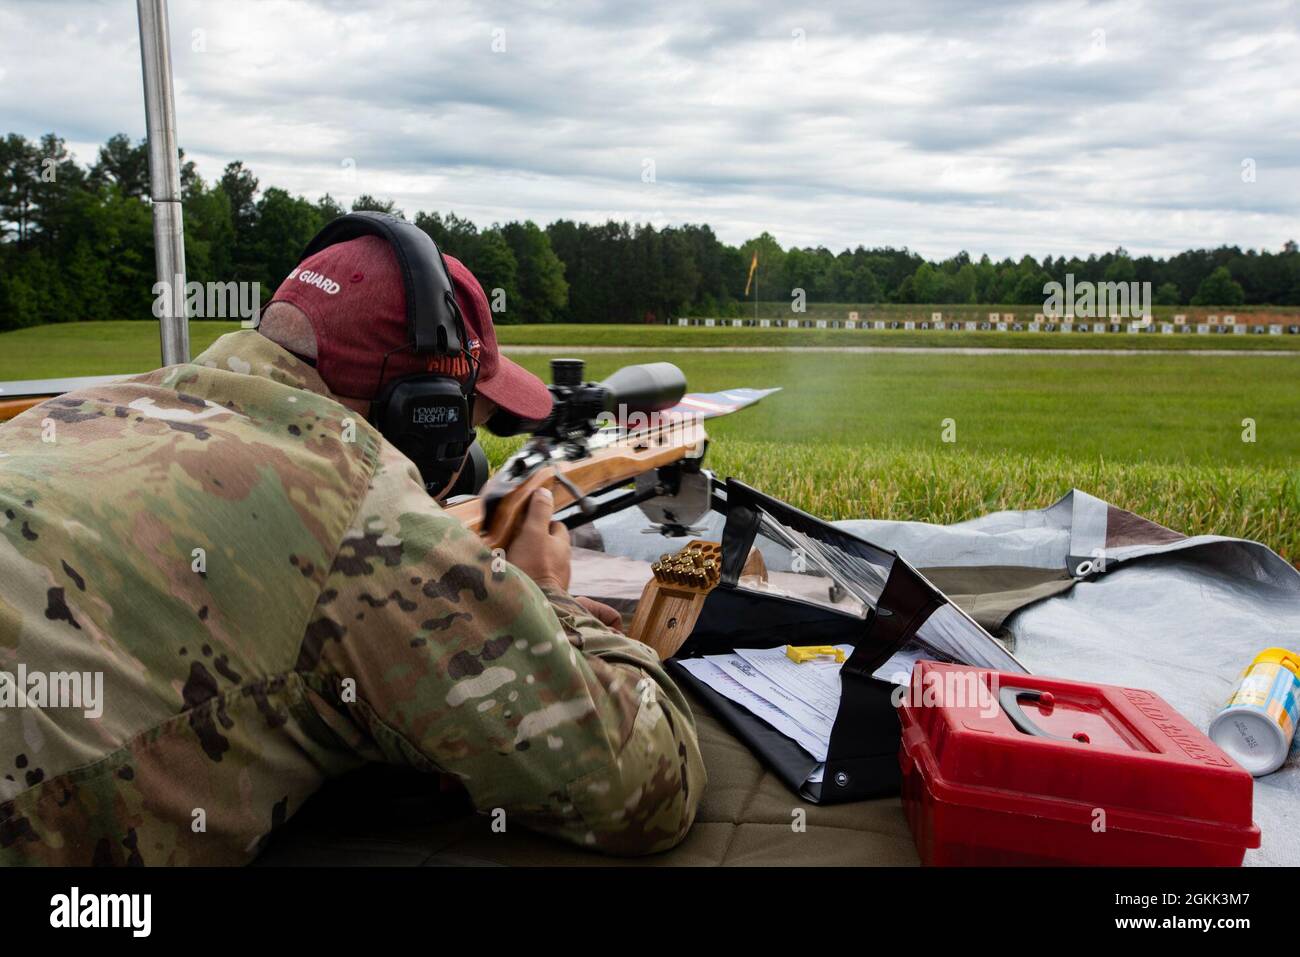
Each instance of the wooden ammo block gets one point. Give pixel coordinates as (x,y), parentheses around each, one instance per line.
(672,599)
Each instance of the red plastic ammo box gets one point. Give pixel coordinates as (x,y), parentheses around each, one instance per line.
(1016,769)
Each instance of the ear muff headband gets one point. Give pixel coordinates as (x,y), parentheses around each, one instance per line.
(432,313)
(428,415)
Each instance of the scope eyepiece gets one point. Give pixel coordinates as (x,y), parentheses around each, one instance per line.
(567,373)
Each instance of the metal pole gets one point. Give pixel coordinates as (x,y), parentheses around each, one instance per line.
(164,178)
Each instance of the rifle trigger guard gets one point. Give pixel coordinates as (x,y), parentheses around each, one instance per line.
(584,502)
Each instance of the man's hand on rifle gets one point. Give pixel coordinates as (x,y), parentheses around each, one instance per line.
(541,550)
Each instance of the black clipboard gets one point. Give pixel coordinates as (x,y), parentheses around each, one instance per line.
(862,760)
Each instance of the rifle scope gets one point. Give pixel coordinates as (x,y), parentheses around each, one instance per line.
(651,387)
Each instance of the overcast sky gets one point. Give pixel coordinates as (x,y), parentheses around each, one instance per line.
(1006,128)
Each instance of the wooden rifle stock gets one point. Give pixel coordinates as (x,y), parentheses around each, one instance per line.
(11,408)
(603,468)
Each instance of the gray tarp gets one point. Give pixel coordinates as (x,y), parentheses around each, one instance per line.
(1102,595)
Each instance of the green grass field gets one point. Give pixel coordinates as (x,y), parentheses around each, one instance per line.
(92,348)
(861,435)
(662,336)
(679,337)
(79,348)
(855,435)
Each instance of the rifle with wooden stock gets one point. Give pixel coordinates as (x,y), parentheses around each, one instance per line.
(599,437)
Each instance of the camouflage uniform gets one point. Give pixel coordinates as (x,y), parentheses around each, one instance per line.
(334,616)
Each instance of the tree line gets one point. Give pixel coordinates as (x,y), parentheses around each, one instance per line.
(76,243)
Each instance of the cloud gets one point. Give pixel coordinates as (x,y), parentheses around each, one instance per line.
(1062,127)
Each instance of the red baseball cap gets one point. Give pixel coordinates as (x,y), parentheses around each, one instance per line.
(352,292)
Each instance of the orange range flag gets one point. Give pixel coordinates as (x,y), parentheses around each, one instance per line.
(752,266)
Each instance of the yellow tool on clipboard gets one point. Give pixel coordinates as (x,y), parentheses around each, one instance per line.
(802,654)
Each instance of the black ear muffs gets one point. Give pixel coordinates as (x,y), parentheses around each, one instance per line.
(428,416)
(430,421)
(473,474)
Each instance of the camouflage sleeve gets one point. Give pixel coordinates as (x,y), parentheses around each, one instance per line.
(451,659)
